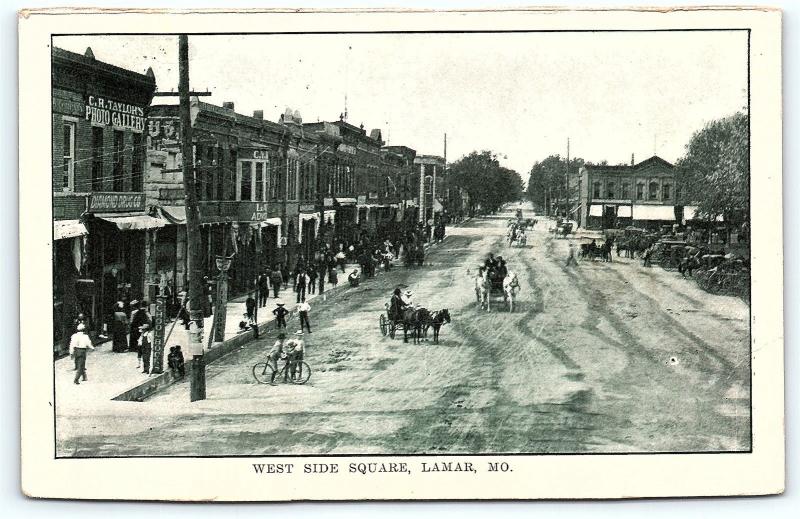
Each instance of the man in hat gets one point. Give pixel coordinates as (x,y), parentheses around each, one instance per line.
(119,329)
(280,314)
(302,310)
(133,325)
(79,344)
(145,347)
(277,352)
(294,355)
(407,298)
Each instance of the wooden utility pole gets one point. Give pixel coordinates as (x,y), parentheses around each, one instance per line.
(197,381)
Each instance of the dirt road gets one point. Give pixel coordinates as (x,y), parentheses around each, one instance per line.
(602,357)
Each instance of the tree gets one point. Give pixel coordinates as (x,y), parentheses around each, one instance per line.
(715,171)
(488,184)
(547,181)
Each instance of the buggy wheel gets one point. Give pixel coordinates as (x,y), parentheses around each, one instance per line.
(382,323)
(302,373)
(262,372)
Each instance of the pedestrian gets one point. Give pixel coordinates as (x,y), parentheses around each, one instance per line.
(312,280)
(79,344)
(322,271)
(300,284)
(295,350)
(138,318)
(275,353)
(276,280)
(354,278)
(250,308)
(302,309)
(119,329)
(571,257)
(280,315)
(145,347)
(333,276)
(263,289)
(285,274)
(340,257)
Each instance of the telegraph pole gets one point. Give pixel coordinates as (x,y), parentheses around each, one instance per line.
(197,381)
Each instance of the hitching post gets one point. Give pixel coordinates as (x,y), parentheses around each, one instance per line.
(220,312)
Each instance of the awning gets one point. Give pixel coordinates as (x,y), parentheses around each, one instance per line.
(174,214)
(624,211)
(330,215)
(308,216)
(690,213)
(654,212)
(277,222)
(346,201)
(63,229)
(596,210)
(134,223)
(274,222)
(437,206)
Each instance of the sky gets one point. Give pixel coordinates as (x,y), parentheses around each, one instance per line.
(520,95)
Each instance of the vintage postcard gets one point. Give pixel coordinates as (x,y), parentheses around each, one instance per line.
(399,255)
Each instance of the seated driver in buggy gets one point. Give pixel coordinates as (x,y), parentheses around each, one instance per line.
(396,306)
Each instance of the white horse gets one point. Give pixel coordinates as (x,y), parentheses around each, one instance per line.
(482,287)
(510,286)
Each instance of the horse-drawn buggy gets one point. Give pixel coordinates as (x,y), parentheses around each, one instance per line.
(411,319)
(496,285)
(563,229)
(414,254)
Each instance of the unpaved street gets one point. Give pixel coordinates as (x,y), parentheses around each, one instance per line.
(602,357)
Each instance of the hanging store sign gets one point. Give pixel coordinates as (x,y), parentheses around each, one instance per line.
(159,322)
(347,148)
(101,110)
(116,202)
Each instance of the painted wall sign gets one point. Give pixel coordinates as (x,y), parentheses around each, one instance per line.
(101,110)
(111,202)
(347,148)
(159,322)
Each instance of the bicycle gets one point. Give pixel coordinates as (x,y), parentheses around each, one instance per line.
(299,373)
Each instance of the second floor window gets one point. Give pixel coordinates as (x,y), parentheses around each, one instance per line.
(639,191)
(596,190)
(626,190)
(137,162)
(97,158)
(68,171)
(653,191)
(610,190)
(119,160)
(666,191)
(245,181)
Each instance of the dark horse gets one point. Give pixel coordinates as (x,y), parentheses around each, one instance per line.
(418,320)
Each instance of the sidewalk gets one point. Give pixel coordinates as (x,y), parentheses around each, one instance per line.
(111,374)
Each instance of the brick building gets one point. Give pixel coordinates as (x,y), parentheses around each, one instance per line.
(432,191)
(101,229)
(644,194)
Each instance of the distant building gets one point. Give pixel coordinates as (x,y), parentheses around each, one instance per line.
(643,195)
(432,186)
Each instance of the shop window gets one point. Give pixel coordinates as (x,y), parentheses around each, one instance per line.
(245,181)
(626,190)
(97,158)
(137,180)
(596,190)
(68,171)
(653,191)
(610,190)
(639,191)
(665,192)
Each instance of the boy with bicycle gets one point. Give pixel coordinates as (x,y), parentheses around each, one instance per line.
(277,352)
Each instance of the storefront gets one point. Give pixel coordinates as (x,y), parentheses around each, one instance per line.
(69,246)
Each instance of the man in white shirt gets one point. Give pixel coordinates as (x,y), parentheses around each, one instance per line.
(302,310)
(79,344)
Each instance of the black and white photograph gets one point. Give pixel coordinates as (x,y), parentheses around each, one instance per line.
(425,250)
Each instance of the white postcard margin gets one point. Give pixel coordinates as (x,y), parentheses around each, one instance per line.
(530,477)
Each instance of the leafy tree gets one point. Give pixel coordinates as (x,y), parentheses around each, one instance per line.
(488,184)
(546,184)
(715,172)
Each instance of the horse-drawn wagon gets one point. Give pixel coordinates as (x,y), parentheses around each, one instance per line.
(414,320)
